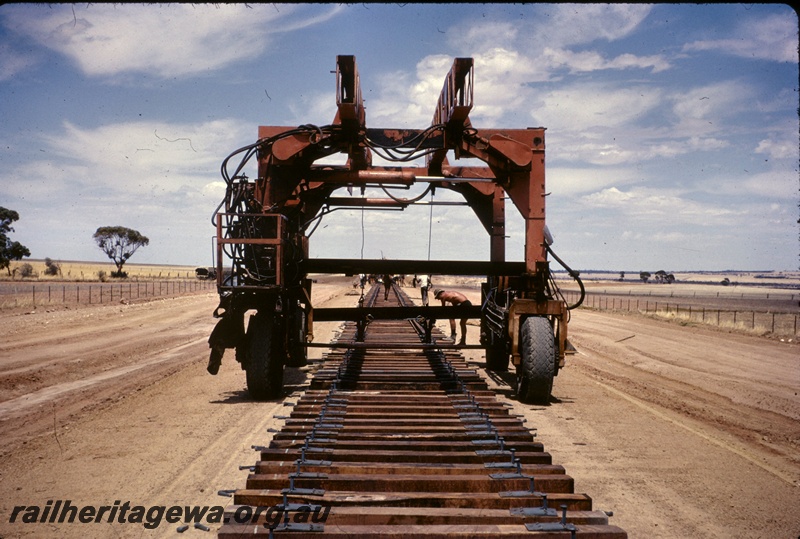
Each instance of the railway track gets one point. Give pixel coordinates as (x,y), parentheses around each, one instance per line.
(406,442)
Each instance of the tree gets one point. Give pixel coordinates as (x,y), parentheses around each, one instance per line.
(9,250)
(119,244)
(644,276)
(25,270)
(51,268)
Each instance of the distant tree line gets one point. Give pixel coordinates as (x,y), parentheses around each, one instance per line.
(660,277)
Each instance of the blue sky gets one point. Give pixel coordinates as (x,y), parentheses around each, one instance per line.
(672,129)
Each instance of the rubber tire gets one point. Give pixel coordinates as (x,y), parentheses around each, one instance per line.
(264,361)
(537,348)
(497,358)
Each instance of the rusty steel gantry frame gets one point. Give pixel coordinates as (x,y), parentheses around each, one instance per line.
(262,230)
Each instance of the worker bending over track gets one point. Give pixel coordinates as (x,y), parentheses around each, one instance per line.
(456,299)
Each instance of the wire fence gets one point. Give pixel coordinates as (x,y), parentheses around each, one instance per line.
(761,321)
(33,294)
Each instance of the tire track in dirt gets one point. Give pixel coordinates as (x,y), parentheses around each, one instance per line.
(19,405)
(744,387)
(702,433)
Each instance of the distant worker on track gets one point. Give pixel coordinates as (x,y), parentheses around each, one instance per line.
(457,299)
(424,284)
(387,286)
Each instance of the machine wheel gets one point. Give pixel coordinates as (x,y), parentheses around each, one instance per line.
(497,358)
(538,351)
(264,358)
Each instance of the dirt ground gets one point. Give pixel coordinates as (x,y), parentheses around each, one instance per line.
(681,431)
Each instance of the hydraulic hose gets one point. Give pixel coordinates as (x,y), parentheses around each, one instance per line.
(572,274)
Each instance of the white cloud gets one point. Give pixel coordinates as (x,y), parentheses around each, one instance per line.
(671,237)
(128,167)
(709,108)
(664,206)
(501,78)
(551,25)
(42,181)
(504,72)
(771,38)
(575,24)
(581,107)
(609,150)
(317,108)
(706,143)
(572,181)
(154,177)
(778,149)
(608,197)
(409,100)
(780,184)
(144,152)
(633,146)
(106,40)
(631,235)
(215,190)
(481,36)
(586,61)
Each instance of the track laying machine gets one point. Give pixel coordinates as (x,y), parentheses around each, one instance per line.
(263,228)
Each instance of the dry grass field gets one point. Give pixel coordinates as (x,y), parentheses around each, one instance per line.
(89,271)
(691,283)
(764,304)
(81,284)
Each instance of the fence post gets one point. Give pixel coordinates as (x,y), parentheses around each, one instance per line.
(34,295)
